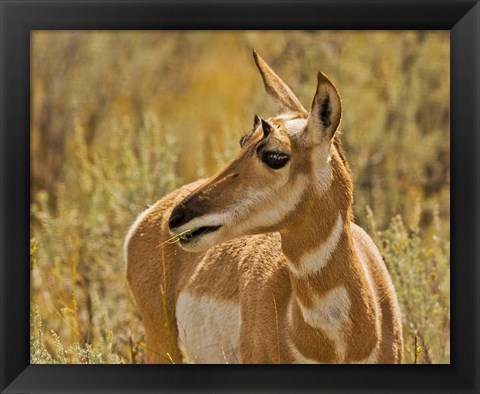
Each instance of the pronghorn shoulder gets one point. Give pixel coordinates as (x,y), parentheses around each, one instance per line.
(249,250)
(261,258)
(227,268)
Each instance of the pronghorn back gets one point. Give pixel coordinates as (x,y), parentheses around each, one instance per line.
(266,264)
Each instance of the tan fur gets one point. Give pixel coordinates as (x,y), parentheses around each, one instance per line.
(344,311)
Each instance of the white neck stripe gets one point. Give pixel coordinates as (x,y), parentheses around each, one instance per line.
(314,261)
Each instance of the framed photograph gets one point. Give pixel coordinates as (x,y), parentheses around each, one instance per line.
(214,183)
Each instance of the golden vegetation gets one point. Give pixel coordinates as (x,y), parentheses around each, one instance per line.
(121,118)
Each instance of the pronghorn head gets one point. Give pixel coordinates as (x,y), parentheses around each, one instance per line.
(281,161)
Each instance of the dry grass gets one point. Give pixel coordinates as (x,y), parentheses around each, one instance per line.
(120,119)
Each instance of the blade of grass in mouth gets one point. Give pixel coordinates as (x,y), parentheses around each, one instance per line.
(175,238)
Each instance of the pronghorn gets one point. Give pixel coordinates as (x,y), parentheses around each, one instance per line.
(269,266)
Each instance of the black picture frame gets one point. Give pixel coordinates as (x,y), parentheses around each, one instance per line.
(19,17)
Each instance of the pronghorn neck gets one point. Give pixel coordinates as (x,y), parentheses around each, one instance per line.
(331,299)
(321,224)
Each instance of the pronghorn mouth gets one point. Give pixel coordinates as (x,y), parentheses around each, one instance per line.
(194,233)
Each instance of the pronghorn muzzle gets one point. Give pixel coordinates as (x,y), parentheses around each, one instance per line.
(181,216)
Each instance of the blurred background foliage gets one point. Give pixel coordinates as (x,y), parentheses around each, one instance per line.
(118,119)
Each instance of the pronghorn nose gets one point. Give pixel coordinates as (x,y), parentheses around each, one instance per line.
(176,218)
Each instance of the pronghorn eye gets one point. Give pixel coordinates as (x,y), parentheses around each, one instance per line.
(275,160)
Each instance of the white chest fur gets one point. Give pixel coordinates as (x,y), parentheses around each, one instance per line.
(208,329)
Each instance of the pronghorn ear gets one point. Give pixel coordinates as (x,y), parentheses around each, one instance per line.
(326,109)
(279,94)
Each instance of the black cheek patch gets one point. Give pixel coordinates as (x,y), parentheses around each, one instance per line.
(325,112)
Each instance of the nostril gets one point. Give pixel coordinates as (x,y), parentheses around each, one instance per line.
(176,218)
